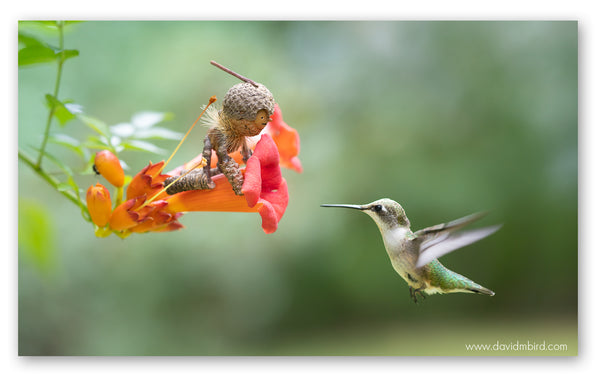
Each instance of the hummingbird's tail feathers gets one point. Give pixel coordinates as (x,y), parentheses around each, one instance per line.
(482,291)
(435,248)
(440,279)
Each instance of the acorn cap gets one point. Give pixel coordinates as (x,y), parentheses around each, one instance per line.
(244,100)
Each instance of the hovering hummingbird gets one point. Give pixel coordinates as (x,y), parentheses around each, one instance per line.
(414,255)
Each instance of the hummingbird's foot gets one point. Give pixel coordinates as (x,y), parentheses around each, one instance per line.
(413,294)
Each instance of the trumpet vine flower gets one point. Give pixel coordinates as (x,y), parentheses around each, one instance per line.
(287,140)
(265,190)
(148,208)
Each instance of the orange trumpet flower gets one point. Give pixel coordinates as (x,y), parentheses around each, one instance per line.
(148,208)
(265,191)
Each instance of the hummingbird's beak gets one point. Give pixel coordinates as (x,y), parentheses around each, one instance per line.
(361,208)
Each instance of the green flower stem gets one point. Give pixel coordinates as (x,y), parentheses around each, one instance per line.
(51,180)
(119,196)
(61,60)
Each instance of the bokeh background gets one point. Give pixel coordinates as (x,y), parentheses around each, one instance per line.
(447,118)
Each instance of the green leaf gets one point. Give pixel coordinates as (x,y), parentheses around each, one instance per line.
(158,133)
(123,130)
(49,24)
(49,28)
(29,41)
(40,26)
(70,143)
(146,119)
(97,142)
(63,113)
(36,234)
(36,51)
(74,108)
(70,183)
(65,140)
(63,186)
(36,54)
(139,145)
(67,54)
(67,170)
(95,124)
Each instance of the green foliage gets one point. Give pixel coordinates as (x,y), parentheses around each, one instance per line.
(36,54)
(71,143)
(36,234)
(128,136)
(64,112)
(132,136)
(36,51)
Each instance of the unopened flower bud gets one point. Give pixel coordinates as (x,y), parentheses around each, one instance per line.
(108,165)
(99,205)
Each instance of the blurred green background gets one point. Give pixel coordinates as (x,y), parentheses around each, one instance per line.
(447,118)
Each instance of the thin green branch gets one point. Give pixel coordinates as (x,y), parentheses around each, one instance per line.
(48,178)
(61,60)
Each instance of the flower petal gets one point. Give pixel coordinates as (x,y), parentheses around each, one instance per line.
(148,182)
(219,199)
(287,140)
(274,206)
(123,217)
(263,184)
(175,225)
(157,219)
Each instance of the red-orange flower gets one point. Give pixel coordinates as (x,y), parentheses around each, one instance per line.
(265,185)
(108,165)
(135,215)
(98,204)
(265,190)
(287,140)
(148,208)
(149,181)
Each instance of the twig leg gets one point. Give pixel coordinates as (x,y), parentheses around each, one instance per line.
(246,152)
(231,169)
(207,154)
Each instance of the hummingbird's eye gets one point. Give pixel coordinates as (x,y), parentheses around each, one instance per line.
(377,208)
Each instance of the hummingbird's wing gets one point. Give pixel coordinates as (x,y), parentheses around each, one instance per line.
(435,231)
(440,239)
(446,242)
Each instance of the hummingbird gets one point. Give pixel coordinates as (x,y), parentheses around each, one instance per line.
(414,254)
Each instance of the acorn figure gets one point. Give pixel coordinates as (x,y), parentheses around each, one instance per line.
(247,108)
